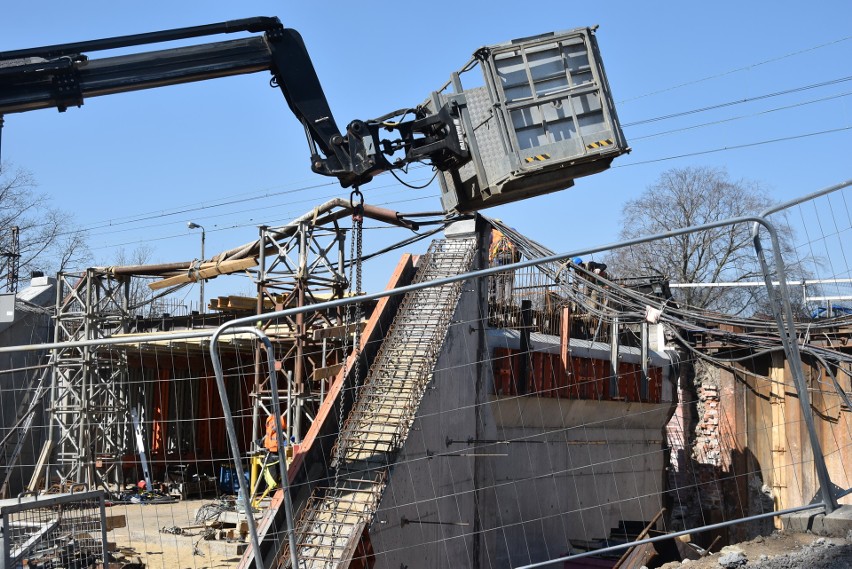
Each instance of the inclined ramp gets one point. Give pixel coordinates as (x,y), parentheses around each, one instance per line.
(331,524)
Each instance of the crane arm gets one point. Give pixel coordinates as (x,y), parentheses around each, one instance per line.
(63,75)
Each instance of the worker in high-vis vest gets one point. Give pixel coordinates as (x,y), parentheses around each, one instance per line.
(502,252)
(270,440)
(266,468)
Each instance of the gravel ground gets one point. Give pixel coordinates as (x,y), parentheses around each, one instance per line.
(778,551)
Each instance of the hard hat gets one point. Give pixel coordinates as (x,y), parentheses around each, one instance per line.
(576,260)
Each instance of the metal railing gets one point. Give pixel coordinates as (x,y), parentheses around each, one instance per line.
(63,530)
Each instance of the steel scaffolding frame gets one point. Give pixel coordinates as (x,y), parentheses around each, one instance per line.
(88,426)
(307,267)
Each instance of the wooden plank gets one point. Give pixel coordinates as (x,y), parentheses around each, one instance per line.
(242,303)
(325,372)
(208,270)
(336,331)
(116,521)
(636,557)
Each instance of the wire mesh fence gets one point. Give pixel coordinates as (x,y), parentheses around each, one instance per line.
(562,408)
(63,530)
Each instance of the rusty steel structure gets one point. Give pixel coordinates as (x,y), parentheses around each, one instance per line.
(90,400)
(308,266)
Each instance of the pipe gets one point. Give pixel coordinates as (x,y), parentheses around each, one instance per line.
(145,270)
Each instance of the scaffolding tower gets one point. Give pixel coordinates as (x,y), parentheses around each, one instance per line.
(306,266)
(89,406)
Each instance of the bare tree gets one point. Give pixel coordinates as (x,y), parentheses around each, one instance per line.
(48,240)
(685,197)
(139,294)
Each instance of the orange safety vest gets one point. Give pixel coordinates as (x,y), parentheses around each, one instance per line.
(501,247)
(270,441)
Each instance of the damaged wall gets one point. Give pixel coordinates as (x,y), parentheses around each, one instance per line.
(740,446)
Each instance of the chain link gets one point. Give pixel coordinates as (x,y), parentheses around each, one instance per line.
(352,315)
(359,308)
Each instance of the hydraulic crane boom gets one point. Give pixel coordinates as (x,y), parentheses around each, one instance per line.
(543,117)
(63,76)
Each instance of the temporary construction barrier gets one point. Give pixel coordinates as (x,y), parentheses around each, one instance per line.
(59,530)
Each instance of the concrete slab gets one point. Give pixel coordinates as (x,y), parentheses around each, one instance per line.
(836,524)
(460,229)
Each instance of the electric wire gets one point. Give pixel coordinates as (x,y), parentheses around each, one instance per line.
(740,117)
(736,70)
(734,147)
(738,102)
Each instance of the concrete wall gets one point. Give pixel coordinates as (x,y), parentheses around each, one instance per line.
(577,468)
(427,516)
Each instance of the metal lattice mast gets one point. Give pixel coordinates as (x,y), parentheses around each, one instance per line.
(13,259)
(89,397)
(306,267)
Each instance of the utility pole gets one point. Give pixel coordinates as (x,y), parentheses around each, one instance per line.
(193,225)
(13,259)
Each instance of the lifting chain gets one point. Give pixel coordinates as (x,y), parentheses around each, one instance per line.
(354,315)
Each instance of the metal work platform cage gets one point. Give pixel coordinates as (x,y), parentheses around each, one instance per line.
(57,530)
(543,117)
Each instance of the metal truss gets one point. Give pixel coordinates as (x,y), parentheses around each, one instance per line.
(305,268)
(89,396)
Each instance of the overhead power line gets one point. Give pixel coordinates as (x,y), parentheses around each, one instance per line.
(738,102)
(737,70)
(740,117)
(112,225)
(231,227)
(736,147)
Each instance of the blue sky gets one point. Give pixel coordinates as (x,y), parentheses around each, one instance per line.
(136,167)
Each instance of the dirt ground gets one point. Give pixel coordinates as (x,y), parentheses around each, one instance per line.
(167,536)
(780,550)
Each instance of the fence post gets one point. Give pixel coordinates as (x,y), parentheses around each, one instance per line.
(787,331)
(234,444)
